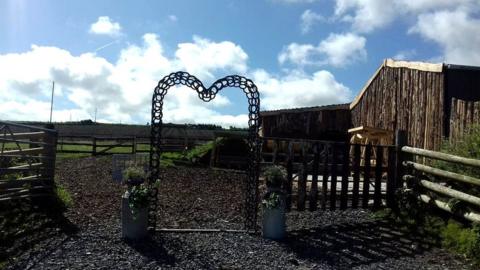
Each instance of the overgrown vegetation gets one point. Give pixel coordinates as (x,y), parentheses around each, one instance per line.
(468,146)
(439,229)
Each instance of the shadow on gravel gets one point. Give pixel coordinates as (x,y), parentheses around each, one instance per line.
(355,244)
(27,223)
(153,248)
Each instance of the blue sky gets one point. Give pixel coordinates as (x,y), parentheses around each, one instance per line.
(108,55)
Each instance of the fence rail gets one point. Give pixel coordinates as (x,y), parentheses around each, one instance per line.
(334,175)
(429,180)
(95,145)
(27,161)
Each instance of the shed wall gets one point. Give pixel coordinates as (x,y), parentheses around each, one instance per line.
(408,99)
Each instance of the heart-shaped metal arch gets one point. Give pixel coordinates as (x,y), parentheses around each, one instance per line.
(208,94)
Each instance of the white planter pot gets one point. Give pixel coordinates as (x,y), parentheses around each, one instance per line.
(133,227)
(273,224)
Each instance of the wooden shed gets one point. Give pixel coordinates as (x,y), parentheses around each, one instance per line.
(430,101)
(329,122)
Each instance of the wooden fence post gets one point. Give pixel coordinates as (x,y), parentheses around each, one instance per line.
(302,179)
(134,145)
(356,174)
(288,188)
(400,141)
(366,176)
(391,188)
(94,146)
(333,182)
(345,175)
(314,186)
(377,197)
(49,152)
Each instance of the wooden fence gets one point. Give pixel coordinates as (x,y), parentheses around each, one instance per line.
(335,174)
(96,145)
(434,184)
(463,114)
(27,161)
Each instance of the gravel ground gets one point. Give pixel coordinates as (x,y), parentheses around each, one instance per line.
(202,198)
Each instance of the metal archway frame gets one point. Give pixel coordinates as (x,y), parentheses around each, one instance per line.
(207,94)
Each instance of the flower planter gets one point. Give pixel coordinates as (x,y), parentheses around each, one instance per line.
(134,227)
(273,224)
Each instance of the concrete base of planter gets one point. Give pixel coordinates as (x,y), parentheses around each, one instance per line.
(133,228)
(273,224)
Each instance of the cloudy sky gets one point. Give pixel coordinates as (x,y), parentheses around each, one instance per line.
(109,55)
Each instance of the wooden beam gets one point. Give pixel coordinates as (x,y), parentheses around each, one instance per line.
(472,216)
(24,151)
(442,173)
(442,156)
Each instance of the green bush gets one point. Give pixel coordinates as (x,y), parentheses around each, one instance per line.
(64,196)
(460,239)
(468,146)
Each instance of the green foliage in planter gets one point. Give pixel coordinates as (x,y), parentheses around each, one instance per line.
(463,240)
(273,200)
(138,198)
(275,176)
(134,173)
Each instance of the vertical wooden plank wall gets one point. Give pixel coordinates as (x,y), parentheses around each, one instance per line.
(407,99)
(463,114)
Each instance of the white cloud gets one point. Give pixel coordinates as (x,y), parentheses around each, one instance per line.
(308,19)
(337,50)
(204,57)
(456,32)
(300,90)
(122,90)
(405,55)
(172,18)
(368,15)
(105,26)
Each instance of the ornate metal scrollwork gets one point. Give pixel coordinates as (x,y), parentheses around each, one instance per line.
(208,94)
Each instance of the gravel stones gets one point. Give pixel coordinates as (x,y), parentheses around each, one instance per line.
(202,198)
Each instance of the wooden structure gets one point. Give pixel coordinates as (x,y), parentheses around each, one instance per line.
(329,122)
(27,161)
(430,101)
(369,135)
(433,180)
(326,175)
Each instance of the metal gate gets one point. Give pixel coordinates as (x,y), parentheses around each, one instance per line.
(208,94)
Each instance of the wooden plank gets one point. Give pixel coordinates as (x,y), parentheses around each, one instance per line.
(4,140)
(314,187)
(356,174)
(325,174)
(366,176)
(302,181)
(448,191)
(29,182)
(391,186)
(442,156)
(27,151)
(442,173)
(377,198)
(333,182)
(29,135)
(345,174)
(289,186)
(472,216)
(33,165)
